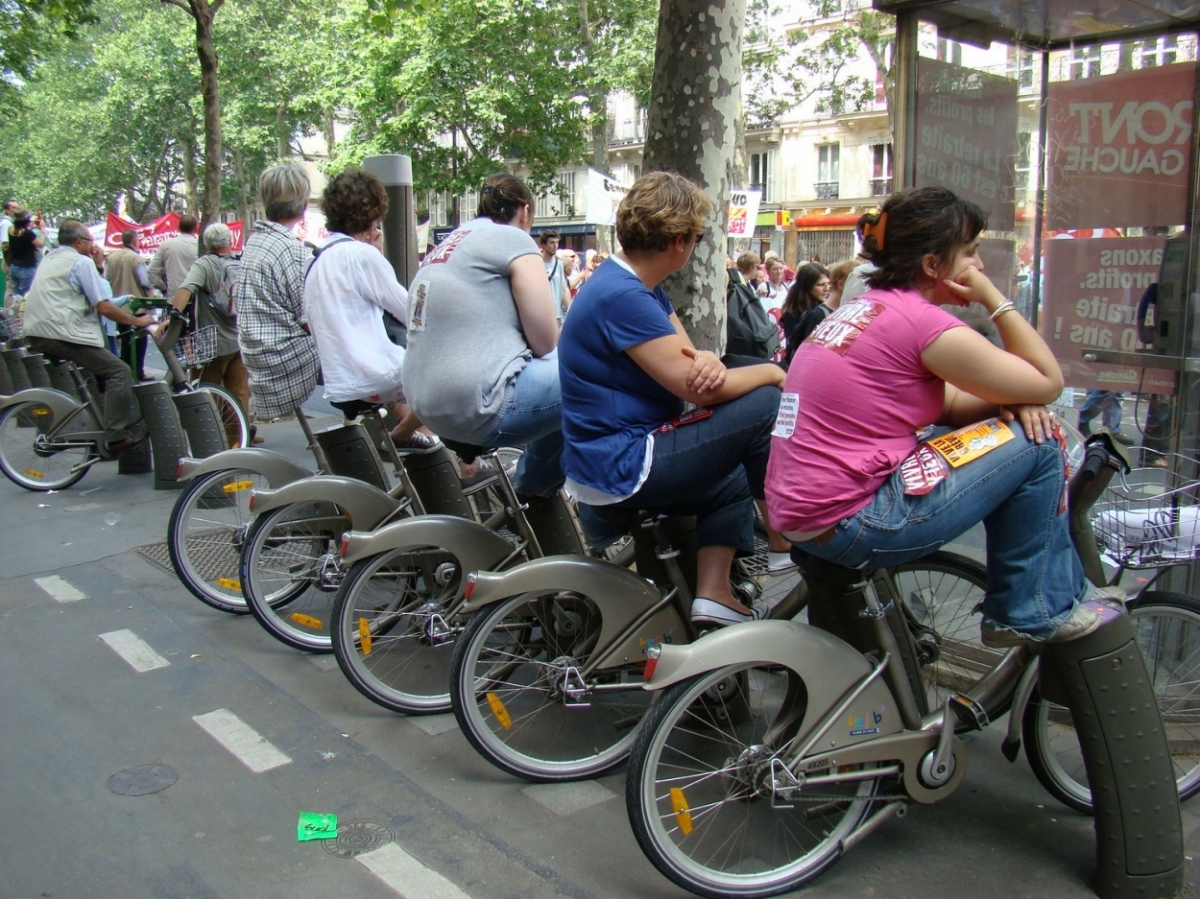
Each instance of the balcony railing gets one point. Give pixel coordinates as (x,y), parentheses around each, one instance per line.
(826,190)
(880,187)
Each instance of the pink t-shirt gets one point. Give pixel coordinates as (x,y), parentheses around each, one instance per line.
(859,392)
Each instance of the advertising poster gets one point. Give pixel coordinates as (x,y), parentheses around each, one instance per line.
(1118,149)
(604,194)
(967,136)
(743,212)
(1092,289)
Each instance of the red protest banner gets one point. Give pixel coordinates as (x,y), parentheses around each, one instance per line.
(1092,290)
(1119,147)
(152,235)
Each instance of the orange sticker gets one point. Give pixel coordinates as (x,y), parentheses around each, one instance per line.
(969,443)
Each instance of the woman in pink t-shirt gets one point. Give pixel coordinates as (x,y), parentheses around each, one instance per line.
(848,480)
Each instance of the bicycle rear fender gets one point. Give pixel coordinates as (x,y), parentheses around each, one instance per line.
(62,404)
(365,504)
(476,547)
(622,597)
(275,467)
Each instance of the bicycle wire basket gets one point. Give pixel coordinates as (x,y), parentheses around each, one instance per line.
(199,347)
(1150,518)
(14,318)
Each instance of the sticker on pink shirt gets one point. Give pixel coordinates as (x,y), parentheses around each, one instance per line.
(845,324)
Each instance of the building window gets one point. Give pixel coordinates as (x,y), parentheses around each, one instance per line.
(828,171)
(1161,52)
(762,174)
(559,203)
(881,170)
(949,51)
(1022,163)
(1025,69)
(1085,62)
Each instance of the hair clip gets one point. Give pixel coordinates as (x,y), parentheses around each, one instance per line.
(877,230)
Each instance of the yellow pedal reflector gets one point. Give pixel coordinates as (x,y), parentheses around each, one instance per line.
(40,410)
(364,636)
(229,583)
(238,486)
(683,815)
(34,474)
(498,709)
(305,620)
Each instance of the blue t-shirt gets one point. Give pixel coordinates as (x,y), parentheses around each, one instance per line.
(609,403)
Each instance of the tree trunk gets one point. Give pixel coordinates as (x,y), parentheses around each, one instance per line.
(692,129)
(239,175)
(191,192)
(210,204)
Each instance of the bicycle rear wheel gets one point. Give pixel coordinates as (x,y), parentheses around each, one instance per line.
(699,788)
(521,698)
(290,572)
(206,534)
(34,453)
(1168,632)
(231,414)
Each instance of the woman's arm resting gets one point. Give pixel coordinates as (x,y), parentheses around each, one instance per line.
(535,304)
(666,361)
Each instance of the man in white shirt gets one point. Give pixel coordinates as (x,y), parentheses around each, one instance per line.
(548,244)
(62,320)
(175,258)
(6,222)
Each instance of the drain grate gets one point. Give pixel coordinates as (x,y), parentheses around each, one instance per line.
(358,837)
(156,554)
(142,780)
(213,554)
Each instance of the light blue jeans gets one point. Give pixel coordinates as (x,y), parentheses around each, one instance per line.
(1034,577)
(533,419)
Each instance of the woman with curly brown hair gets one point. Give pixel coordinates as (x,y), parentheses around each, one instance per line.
(349,287)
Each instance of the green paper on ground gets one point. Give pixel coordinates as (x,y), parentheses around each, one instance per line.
(316,826)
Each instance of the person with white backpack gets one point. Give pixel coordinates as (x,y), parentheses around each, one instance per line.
(208,290)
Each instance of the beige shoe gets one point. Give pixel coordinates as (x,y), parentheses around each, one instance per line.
(1085,619)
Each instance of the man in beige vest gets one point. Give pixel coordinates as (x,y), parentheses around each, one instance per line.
(62,320)
(127,272)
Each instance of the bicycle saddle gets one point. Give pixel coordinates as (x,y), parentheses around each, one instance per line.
(468,452)
(355,408)
(834,577)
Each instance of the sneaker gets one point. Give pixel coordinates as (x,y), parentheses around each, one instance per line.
(1087,617)
(710,613)
(417,443)
(779,563)
(1112,597)
(483,473)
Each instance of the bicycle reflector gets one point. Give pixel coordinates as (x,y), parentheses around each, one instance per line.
(471,578)
(345,547)
(653,652)
(253,497)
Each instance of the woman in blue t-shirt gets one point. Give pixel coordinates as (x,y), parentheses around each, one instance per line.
(626,366)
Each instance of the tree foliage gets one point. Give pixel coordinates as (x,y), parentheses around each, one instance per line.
(28,30)
(813,63)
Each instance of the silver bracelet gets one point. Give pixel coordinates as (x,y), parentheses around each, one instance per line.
(1006,306)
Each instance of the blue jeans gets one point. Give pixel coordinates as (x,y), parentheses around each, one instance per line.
(1106,404)
(714,469)
(1034,577)
(21,277)
(533,419)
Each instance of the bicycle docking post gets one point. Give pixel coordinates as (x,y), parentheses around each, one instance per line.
(1139,840)
(166,436)
(201,423)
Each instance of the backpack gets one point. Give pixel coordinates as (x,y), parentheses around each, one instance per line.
(749,331)
(221,300)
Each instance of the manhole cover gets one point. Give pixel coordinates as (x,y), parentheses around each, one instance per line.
(356,837)
(142,780)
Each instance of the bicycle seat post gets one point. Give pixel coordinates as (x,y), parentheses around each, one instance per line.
(313,445)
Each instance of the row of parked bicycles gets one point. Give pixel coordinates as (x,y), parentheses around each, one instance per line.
(757,754)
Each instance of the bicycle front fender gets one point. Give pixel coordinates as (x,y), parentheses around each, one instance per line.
(476,547)
(275,467)
(366,505)
(61,404)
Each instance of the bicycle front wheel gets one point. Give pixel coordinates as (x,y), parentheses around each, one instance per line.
(699,788)
(394,627)
(522,698)
(290,572)
(230,413)
(206,533)
(34,449)
(1168,633)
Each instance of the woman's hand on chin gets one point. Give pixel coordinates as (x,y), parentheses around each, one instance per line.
(973,286)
